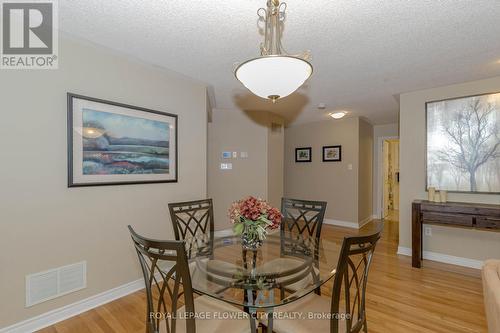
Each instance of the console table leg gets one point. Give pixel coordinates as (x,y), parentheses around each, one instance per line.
(416,246)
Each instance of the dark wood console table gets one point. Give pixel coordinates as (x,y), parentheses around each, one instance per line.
(452,214)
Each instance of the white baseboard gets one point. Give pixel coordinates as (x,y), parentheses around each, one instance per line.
(365,221)
(224,233)
(444,258)
(57,315)
(405,251)
(346,224)
(339,223)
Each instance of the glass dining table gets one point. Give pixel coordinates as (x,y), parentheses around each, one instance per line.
(285,268)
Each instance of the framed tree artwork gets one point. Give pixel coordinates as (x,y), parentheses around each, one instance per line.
(332,153)
(463,144)
(111,143)
(303,154)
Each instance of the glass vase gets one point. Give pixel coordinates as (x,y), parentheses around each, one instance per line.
(250,243)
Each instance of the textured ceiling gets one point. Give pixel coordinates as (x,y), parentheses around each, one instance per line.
(364,52)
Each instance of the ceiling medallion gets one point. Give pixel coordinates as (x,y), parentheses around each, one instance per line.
(275,74)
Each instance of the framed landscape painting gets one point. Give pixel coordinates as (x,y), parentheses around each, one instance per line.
(303,154)
(111,143)
(463,144)
(332,153)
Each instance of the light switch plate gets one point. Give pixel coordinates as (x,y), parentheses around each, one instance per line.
(244,154)
(235,154)
(226,166)
(349,166)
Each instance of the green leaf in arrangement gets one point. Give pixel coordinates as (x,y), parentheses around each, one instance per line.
(265,220)
(238,228)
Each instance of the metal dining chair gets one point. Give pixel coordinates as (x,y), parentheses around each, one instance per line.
(193,222)
(303,221)
(346,308)
(171,306)
(303,216)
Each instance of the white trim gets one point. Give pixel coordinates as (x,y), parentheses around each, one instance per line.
(444,258)
(65,312)
(345,224)
(405,251)
(224,233)
(365,221)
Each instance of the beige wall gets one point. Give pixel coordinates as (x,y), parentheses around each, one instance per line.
(365,171)
(379,132)
(452,241)
(331,181)
(43,223)
(275,160)
(261,174)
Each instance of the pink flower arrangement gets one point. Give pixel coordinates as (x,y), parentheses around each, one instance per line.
(254,216)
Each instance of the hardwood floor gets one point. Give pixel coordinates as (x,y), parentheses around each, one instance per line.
(437,298)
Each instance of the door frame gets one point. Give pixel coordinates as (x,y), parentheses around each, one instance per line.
(380,176)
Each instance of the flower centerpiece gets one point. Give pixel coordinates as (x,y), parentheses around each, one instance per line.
(252,219)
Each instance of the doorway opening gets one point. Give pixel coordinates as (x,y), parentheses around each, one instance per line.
(390,181)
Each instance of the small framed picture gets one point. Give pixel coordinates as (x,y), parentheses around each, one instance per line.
(332,153)
(303,154)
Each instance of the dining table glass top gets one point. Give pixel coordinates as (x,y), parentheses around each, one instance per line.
(286,267)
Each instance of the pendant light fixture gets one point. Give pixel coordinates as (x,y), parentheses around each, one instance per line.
(275,74)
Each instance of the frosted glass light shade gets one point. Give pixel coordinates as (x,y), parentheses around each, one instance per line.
(273,77)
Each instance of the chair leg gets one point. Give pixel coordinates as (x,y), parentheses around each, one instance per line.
(365,326)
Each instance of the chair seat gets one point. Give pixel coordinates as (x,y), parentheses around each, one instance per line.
(287,263)
(193,264)
(311,304)
(205,307)
(205,264)
(199,273)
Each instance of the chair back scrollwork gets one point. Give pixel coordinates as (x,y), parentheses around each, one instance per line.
(193,222)
(349,287)
(303,217)
(168,283)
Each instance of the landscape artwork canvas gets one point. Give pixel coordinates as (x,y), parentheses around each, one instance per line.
(463,144)
(113,143)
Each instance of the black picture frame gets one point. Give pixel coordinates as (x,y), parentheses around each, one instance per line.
(326,159)
(426,157)
(302,160)
(70,142)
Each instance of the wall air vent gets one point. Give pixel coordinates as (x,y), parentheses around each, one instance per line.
(44,286)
